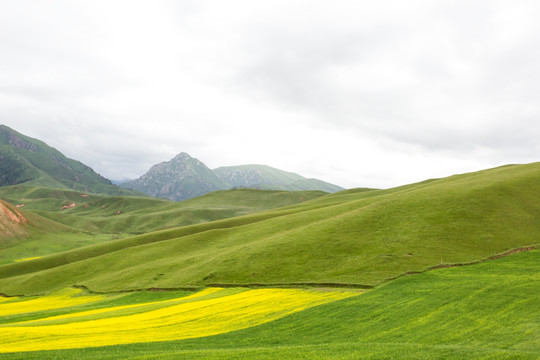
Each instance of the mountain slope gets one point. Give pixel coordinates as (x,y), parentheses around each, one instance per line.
(24,234)
(185,177)
(19,224)
(266,177)
(134,215)
(181,178)
(30,161)
(255,175)
(355,237)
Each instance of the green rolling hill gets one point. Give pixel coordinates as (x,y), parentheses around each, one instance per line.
(17,224)
(135,215)
(64,219)
(12,222)
(358,237)
(24,234)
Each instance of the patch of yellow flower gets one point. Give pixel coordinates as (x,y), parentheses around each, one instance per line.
(60,299)
(120,310)
(28,259)
(202,314)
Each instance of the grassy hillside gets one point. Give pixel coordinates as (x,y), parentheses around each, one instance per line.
(17,224)
(356,237)
(124,215)
(25,235)
(483,311)
(12,222)
(32,162)
(92,219)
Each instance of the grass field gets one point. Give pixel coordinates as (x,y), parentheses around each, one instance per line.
(40,245)
(261,281)
(136,215)
(354,237)
(100,218)
(483,311)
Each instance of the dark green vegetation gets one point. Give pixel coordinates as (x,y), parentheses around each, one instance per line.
(483,311)
(359,237)
(32,162)
(185,177)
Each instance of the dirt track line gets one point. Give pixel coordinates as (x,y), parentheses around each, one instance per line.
(444,266)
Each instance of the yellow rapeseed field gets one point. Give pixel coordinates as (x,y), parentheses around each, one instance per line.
(209,312)
(60,299)
(115,310)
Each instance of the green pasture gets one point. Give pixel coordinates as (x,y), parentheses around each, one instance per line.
(136,215)
(483,311)
(359,237)
(100,218)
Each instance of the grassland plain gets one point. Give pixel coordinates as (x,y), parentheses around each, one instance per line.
(358,237)
(483,311)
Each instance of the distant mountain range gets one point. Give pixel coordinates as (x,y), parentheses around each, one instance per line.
(185,177)
(32,162)
(266,177)
(24,160)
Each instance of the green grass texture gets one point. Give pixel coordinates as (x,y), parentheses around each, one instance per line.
(100,218)
(356,237)
(483,311)
(137,215)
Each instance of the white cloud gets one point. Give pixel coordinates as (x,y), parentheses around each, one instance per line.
(356,93)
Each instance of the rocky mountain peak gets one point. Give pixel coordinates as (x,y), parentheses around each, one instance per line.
(182,156)
(180,178)
(12,138)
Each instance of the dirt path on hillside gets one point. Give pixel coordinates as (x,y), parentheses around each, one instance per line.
(444,266)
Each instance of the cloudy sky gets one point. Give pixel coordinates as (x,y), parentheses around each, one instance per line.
(357,93)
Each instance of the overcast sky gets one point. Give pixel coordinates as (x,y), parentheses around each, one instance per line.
(357,93)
